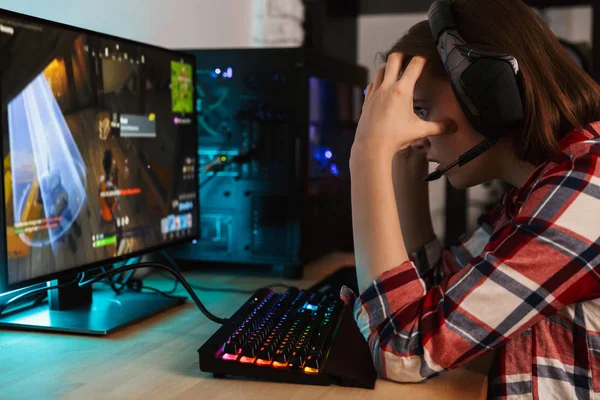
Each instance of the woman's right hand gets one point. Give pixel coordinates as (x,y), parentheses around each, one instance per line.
(412,165)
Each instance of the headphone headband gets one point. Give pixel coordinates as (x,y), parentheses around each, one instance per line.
(486,84)
(440,19)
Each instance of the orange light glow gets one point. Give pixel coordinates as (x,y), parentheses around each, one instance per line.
(247,360)
(56,76)
(263,362)
(278,364)
(309,370)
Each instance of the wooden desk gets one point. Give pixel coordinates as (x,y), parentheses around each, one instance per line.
(157,358)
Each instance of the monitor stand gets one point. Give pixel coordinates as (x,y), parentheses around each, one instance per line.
(85,312)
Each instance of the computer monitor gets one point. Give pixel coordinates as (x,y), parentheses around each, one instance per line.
(99,150)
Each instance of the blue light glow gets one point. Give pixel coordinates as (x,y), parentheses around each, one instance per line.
(217,71)
(229,73)
(334,169)
(328,154)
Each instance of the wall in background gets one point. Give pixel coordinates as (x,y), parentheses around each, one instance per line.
(570,23)
(181,23)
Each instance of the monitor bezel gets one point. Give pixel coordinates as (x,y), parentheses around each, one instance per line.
(5,285)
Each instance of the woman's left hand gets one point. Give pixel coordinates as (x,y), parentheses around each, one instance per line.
(388,123)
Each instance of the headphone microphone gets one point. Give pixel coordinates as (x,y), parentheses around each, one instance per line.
(462,160)
(486,84)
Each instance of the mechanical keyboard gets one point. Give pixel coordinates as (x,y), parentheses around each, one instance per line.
(298,336)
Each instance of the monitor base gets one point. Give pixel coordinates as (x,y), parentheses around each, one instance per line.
(107,312)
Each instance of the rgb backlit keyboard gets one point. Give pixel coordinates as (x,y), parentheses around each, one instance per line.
(297,336)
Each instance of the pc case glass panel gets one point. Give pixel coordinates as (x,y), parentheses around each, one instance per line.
(334,111)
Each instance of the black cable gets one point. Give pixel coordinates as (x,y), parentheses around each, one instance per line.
(207,289)
(122,282)
(166,294)
(230,290)
(173,271)
(210,178)
(3,307)
(179,279)
(175,287)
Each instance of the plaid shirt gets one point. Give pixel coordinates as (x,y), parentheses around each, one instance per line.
(525,282)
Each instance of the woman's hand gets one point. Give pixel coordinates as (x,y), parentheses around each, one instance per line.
(388,123)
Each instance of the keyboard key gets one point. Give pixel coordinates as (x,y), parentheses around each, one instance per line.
(296,359)
(316,353)
(231,348)
(249,350)
(281,358)
(313,363)
(265,353)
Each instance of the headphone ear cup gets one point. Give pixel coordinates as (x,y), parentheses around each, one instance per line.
(493,88)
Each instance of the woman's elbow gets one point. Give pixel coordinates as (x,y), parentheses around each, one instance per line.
(395,366)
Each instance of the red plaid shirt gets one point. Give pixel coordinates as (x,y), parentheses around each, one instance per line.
(525,282)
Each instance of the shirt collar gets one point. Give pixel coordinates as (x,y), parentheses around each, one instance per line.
(514,198)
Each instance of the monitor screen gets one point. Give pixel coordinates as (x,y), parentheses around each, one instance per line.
(99,148)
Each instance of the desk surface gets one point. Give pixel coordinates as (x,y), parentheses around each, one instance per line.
(157,358)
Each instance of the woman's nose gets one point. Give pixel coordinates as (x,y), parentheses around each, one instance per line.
(421,144)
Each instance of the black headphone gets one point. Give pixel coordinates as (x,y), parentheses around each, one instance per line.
(486,84)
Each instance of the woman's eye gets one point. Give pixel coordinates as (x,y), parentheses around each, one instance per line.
(420,112)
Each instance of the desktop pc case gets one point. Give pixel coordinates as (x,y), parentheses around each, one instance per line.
(275,129)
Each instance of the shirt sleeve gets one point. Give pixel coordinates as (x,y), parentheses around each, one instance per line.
(542,260)
(435,262)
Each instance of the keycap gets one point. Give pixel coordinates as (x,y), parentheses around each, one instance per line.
(265,353)
(249,350)
(230,348)
(296,359)
(313,362)
(281,357)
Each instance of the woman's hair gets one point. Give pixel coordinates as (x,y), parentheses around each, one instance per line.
(558,95)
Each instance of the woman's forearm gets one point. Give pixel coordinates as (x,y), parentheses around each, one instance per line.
(378,242)
(412,199)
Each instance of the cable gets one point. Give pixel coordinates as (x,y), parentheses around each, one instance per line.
(3,307)
(173,271)
(179,279)
(207,289)
(175,265)
(122,282)
(230,290)
(166,294)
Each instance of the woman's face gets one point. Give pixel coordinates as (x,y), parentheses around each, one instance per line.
(434,100)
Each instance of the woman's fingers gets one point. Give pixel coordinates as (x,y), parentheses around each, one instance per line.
(378,78)
(435,128)
(392,68)
(369,90)
(412,73)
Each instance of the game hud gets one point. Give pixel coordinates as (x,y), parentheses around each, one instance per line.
(99,148)
(182,90)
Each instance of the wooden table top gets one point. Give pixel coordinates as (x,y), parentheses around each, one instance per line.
(157,358)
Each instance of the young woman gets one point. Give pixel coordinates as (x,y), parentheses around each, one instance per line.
(526,281)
